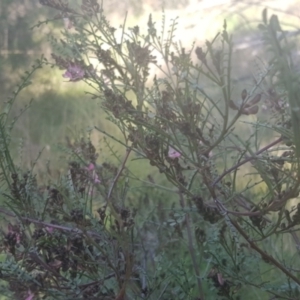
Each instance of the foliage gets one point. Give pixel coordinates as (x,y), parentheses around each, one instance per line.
(205,234)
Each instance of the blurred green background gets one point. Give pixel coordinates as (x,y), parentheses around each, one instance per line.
(61,108)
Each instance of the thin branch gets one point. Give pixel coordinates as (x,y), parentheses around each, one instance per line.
(54,226)
(128,150)
(191,247)
(265,256)
(246,160)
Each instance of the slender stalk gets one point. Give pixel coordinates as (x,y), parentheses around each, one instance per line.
(50,225)
(279,140)
(191,247)
(128,150)
(265,256)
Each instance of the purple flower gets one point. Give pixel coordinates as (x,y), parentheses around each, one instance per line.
(49,229)
(94,176)
(30,295)
(74,72)
(96,179)
(173,153)
(91,167)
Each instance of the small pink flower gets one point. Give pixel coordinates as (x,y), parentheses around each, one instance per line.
(91,167)
(173,153)
(30,295)
(96,178)
(74,72)
(49,229)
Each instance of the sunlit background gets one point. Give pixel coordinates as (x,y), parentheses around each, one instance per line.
(61,108)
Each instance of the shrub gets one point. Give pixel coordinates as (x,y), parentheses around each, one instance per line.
(205,233)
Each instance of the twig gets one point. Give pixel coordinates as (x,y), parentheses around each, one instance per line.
(246,160)
(128,150)
(265,256)
(46,224)
(86,285)
(191,248)
(36,258)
